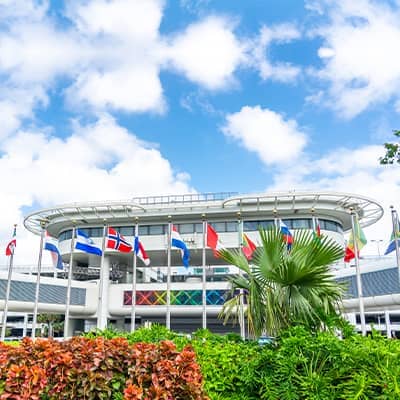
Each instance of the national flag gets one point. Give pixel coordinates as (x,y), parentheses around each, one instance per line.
(286,234)
(317,230)
(178,242)
(12,244)
(51,244)
(395,237)
(359,238)
(117,242)
(248,247)
(212,240)
(141,252)
(84,243)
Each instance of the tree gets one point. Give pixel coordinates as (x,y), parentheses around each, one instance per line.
(392,152)
(54,323)
(282,287)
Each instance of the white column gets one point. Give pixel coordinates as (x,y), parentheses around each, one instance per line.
(103,294)
(388,324)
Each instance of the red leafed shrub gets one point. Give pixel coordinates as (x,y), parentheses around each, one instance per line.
(83,368)
(162,372)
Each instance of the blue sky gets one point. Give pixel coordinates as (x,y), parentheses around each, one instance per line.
(113,99)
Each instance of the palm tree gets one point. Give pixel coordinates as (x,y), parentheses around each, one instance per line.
(283,287)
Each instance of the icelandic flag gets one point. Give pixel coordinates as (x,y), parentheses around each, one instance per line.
(178,242)
(286,234)
(85,243)
(51,244)
(117,242)
(141,252)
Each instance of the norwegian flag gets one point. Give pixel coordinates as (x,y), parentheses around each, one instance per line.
(117,242)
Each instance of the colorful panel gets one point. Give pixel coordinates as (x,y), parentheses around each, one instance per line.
(178,297)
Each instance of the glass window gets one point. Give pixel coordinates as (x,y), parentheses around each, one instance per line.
(231,226)
(331,226)
(126,231)
(156,229)
(198,228)
(96,232)
(288,223)
(65,235)
(267,224)
(186,228)
(219,226)
(250,226)
(301,224)
(143,230)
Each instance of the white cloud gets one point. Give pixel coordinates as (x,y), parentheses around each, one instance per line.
(279,71)
(208,52)
(360,53)
(97,161)
(267,133)
(354,171)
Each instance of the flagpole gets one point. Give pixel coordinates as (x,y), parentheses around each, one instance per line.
(102,319)
(241,291)
(168,313)
(358,274)
(395,222)
(43,224)
(133,306)
(204,293)
(8,289)
(314,223)
(69,284)
(275,212)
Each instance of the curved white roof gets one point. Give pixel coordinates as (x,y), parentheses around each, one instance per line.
(156,209)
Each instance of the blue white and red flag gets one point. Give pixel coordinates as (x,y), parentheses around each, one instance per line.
(51,244)
(178,242)
(286,234)
(117,242)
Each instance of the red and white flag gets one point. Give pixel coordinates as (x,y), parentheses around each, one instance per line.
(212,240)
(12,244)
(141,252)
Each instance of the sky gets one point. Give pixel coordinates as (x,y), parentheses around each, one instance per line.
(111,99)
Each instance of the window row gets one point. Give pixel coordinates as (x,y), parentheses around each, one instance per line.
(228,226)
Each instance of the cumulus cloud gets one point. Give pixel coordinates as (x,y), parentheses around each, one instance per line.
(360,54)
(277,34)
(208,52)
(41,169)
(267,133)
(351,171)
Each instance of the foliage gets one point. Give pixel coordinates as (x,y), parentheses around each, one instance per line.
(392,154)
(54,322)
(304,365)
(98,368)
(282,287)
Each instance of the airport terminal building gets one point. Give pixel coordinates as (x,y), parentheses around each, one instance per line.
(191,292)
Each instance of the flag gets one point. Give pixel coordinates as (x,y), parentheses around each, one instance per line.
(286,234)
(84,243)
(213,240)
(140,251)
(395,237)
(12,244)
(317,230)
(357,237)
(117,242)
(51,244)
(248,247)
(178,242)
